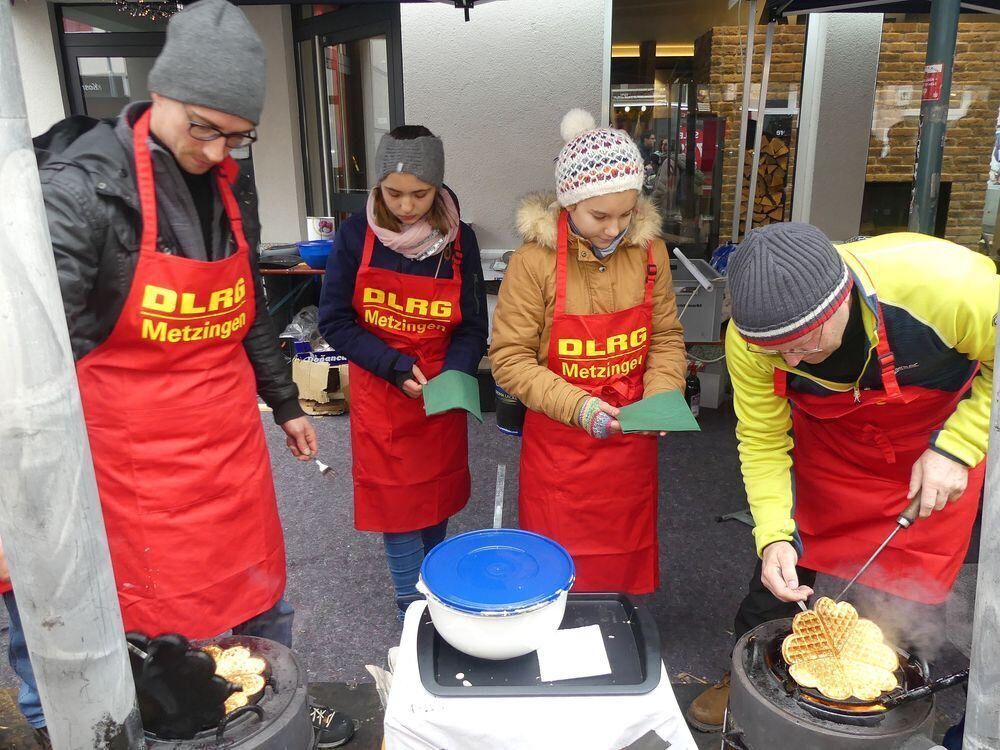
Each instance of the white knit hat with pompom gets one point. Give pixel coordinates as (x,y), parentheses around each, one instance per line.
(594,161)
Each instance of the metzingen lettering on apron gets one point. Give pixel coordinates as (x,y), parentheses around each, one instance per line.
(615,352)
(386,311)
(164,310)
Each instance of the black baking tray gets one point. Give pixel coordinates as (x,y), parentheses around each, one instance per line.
(630,635)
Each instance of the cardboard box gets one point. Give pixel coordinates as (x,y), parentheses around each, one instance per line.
(324,387)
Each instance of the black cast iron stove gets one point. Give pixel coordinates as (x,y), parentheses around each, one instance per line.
(767,709)
(276,719)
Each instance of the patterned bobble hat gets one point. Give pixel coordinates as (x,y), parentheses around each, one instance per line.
(594,161)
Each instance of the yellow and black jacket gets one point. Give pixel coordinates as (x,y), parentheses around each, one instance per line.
(939,302)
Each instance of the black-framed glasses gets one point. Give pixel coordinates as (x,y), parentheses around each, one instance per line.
(202,132)
(794,352)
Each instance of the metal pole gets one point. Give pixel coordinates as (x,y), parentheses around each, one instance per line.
(326,172)
(744,117)
(50,517)
(940,62)
(982,718)
(759,130)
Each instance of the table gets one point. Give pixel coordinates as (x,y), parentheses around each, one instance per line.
(417,720)
(305,277)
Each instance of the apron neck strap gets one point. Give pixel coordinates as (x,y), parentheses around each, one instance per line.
(144,181)
(780,383)
(562,247)
(456,255)
(224,174)
(456,251)
(886,359)
(650,274)
(366,256)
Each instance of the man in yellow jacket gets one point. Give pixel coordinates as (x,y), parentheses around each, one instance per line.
(862,378)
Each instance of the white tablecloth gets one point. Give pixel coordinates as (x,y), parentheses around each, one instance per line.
(417,720)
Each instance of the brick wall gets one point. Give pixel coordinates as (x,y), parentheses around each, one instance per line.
(975,93)
(969,140)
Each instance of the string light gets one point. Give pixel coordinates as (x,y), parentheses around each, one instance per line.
(152,11)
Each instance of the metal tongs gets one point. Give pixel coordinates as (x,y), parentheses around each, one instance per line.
(903,521)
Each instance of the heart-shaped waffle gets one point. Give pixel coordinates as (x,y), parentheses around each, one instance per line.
(237,665)
(838,653)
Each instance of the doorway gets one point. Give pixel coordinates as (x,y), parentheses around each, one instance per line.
(349,68)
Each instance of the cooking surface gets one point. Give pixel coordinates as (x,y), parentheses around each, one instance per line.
(764,705)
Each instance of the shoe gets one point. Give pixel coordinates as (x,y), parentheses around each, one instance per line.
(707,712)
(330,728)
(42,738)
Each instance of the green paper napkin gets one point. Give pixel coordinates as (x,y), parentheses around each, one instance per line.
(667,411)
(452,390)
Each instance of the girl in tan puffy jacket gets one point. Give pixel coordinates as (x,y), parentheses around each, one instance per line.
(586,323)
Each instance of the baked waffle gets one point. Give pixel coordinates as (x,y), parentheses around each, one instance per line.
(838,653)
(239,666)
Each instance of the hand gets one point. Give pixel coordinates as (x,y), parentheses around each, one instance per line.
(938,479)
(415,385)
(778,573)
(4,570)
(301,438)
(612,411)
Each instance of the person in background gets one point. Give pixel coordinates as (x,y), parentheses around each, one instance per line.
(591,270)
(647,146)
(155,237)
(862,379)
(404,300)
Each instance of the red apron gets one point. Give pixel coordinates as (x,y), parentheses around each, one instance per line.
(182,467)
(411,471)
(852,460)
(597,498)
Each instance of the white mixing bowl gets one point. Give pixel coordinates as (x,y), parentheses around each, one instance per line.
(496,636)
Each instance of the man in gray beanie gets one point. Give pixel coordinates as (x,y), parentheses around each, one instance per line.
(155,236)
(862,380)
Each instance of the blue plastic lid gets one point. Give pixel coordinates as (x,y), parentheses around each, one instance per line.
(496,571)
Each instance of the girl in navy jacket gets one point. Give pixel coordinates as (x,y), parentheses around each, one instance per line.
(404,300)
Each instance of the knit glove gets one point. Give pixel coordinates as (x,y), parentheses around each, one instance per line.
(596,422)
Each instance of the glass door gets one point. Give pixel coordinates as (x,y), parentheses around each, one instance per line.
(350,95)
(107,56)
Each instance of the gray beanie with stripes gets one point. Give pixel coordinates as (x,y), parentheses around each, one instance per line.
(785,280)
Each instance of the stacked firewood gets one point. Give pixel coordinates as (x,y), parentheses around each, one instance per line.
(772,179)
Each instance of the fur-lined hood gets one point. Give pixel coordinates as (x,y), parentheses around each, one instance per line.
(538,214)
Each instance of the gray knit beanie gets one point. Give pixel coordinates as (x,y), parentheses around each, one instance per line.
(422,157)
(212,58)
(785,280)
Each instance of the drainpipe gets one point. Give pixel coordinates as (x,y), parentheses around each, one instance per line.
(741,153)
(982,719)
(50,516)
(938,68)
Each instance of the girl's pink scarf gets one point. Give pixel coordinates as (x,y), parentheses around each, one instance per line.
(420,240)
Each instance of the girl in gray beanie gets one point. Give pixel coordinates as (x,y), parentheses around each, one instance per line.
(404,300)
